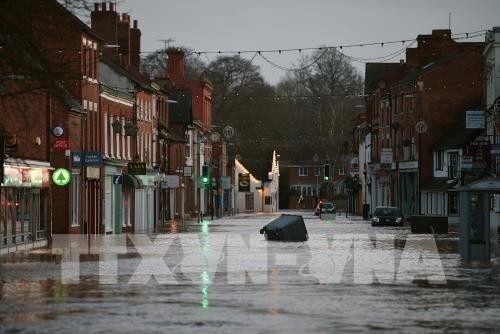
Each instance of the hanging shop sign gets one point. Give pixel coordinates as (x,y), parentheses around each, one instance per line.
(244,182)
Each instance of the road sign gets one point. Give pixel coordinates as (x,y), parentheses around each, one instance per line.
(61,177)
(117,179)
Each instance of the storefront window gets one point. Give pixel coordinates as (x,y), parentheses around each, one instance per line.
(23,215)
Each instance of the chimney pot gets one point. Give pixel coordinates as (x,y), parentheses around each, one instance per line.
(111,7)
(103,6)
(96,7)
(135,24)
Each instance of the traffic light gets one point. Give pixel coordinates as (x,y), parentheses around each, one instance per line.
(326,172)
(206,175)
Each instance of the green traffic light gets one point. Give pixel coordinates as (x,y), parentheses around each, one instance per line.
(205,180)
(326,178)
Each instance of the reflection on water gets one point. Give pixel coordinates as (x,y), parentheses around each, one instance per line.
(32,297)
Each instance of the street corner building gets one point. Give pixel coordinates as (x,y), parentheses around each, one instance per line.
(74,104)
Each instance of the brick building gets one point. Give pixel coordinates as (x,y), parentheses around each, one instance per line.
(409,108)
(134,107)
(194,117)
(56,103)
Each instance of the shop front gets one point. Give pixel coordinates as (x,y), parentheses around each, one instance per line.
(145,204)
(408,181)
(24,206)
(113,199)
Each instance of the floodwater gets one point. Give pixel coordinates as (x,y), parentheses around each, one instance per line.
(292,291)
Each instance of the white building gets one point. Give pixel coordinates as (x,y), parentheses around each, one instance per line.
(253,195)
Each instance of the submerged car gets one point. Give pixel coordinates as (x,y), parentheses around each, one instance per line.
(387,215)
(326,207)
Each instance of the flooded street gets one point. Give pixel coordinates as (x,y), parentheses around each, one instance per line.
(286,292)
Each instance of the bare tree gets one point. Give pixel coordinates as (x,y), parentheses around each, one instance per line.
(154,64)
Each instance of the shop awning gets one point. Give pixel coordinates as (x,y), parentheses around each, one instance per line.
(132,181)
(438,184)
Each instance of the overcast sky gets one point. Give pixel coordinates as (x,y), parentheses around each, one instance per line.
(211,25)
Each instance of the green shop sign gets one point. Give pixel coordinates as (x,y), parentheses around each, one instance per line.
(61,177)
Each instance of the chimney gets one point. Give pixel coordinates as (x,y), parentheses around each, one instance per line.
(175,65)
(123,38)
(135,47)
(104,23)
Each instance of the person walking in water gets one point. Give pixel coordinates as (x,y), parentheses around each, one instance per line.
(300,202)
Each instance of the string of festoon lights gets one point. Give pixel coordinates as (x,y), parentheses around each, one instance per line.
(457,36)
(406,43)
(318,97)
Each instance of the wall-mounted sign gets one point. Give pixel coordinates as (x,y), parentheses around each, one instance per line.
(474,119)
(136,168)
(421,127)
(170,181)
(225,182)
(118,179)
(467,162)
(76,159)
(61,177)
(228,132)
(93,173)
(408,165)
(495,150)
(244,182)
(188,171)
(60,145)
(58,131)
(386,156)
(92,158)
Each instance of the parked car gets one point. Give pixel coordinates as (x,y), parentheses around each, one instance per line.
(387,215)
(326,207)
